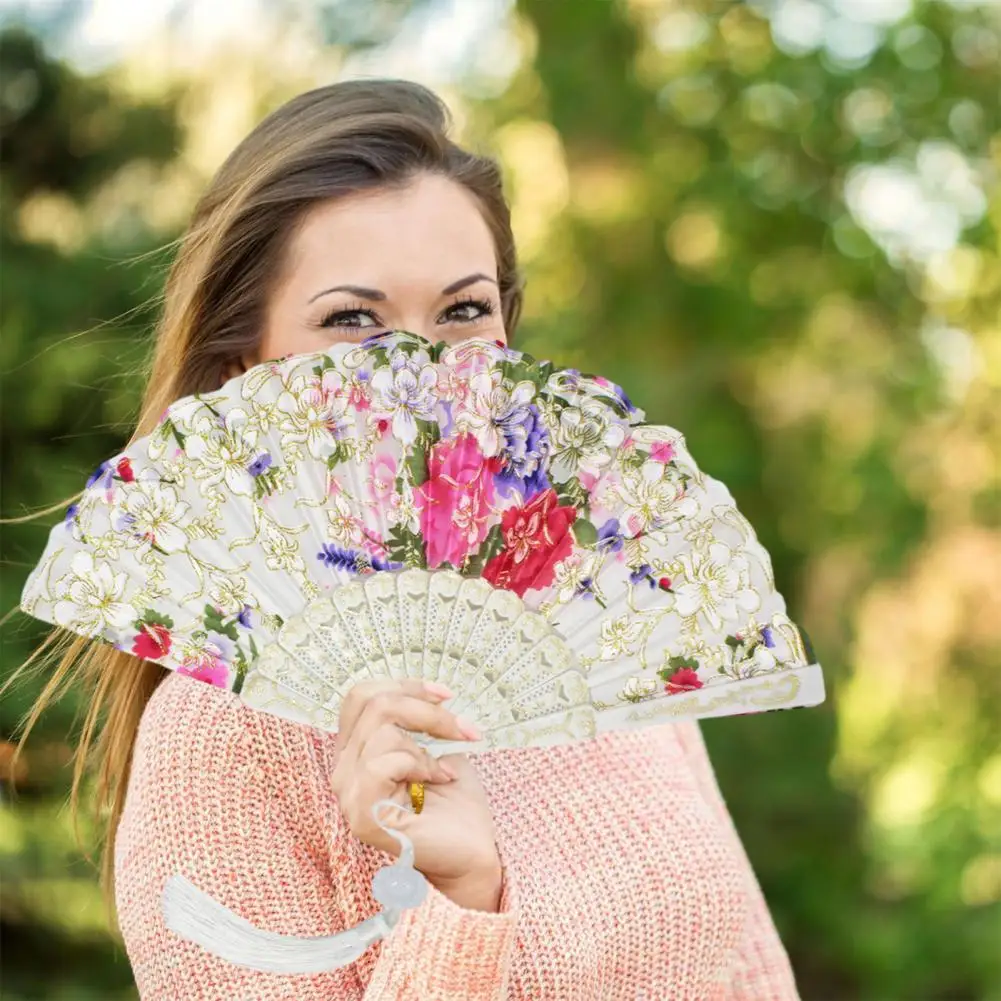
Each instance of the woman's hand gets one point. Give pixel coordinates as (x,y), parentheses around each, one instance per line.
(453,835)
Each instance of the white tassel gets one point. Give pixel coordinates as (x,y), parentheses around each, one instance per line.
(195,916)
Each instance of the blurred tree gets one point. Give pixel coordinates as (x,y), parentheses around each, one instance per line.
(709,211)
(63,137)
(704,252)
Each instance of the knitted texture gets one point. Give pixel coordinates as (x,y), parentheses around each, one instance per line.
(624,878)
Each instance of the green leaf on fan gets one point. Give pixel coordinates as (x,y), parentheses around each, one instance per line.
(151,618)
(407,547)
(437,350)
(489,548)
(266,483)
(214,623)
(428,434)
(342,453)
(417,466)
(572,494)
(171,427)
(510,370)
(584,532)
(327,363)
(632,458)
(544,370)
(242,666)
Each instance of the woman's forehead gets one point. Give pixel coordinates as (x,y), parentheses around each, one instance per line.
(431,227)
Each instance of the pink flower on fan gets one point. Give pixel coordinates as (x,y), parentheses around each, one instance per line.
(382,479)
(662,451)
(453,387)
(205,667)
(359,395)
(456,501)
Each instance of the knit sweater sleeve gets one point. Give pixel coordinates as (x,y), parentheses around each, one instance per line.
(760,970)
(239,803)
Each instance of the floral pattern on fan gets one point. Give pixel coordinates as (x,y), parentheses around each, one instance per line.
(397,453)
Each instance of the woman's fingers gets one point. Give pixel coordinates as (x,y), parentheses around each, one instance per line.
(379,776)
(389,740)
(408,713)
(359,696)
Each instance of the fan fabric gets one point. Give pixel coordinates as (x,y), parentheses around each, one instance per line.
(462,514)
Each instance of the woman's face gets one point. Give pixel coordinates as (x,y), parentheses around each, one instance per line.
(419,258)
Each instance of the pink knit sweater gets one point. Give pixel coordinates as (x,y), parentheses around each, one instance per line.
(624,879)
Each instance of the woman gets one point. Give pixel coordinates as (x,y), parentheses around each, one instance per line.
(605,871)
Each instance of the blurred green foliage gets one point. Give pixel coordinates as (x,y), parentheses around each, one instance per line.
(689,198)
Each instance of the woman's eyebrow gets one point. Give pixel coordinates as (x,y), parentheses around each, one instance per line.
(376,295)
(363,293)
(463,282)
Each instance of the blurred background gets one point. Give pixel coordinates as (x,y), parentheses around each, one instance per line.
(775,223)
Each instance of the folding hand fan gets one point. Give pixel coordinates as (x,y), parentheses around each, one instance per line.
(467,515)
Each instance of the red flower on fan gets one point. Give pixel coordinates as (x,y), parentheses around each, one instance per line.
(683,680)
(124,469)
(536,537)
(153,641)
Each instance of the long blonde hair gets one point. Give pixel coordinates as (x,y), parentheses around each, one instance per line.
(323,144)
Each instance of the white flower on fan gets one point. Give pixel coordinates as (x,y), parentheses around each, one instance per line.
(404,511)
(228,593)
(764,660)
(650,498)
(637,688)
(345,525)
(224,450)
(573,575)
(701,535)
(584,437)
(153,512)
(714,583)
(313,413)
(619,637)
(407,391)
(491,410)
(92,595)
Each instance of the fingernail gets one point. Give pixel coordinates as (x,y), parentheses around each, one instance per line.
(435,689)
(467,729)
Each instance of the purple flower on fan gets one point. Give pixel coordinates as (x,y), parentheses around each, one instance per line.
(262,462)
(585,589)
(102,476)
(766,635)
(122,521)
(71,514)
(353,561)
(374,338)
(447,422)
(244,617)
(617,390)
(526,446)
(643,573)
(610,539)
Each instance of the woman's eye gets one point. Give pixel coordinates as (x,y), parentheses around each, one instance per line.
(468,311)
(350,318)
